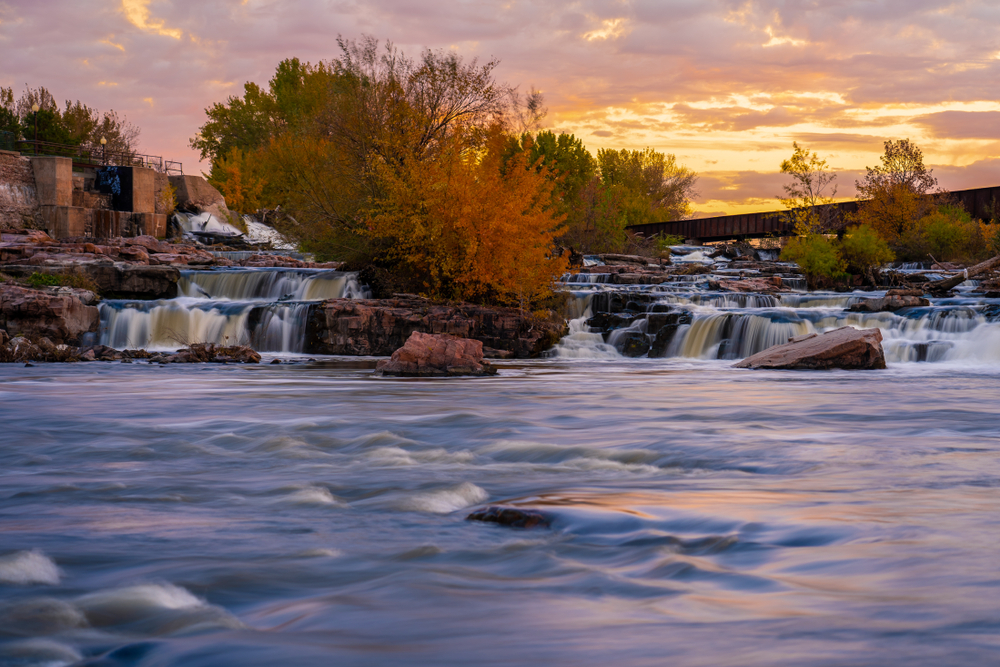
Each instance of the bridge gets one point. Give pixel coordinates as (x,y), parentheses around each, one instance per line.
(981,203)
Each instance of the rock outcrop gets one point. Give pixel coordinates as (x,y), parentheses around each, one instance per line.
(892,301)
(847,348)
(62,315)
(197,195)
(429,355)
(378,327)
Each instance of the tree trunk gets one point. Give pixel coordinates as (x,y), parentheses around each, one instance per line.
(956,280)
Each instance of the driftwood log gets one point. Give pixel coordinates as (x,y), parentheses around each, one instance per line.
(941,286)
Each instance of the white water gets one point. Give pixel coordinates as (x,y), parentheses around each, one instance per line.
(264,308)
(734,326)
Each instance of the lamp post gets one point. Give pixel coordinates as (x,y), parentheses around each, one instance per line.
(35,108)
(104,151)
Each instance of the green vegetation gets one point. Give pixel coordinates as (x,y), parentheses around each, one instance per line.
(898,217)
(75,124)
(817,256)
(863,250)
(77,280)
(807,191)
(429,169)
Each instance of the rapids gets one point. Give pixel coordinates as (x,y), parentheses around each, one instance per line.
(313,514)
(264,308)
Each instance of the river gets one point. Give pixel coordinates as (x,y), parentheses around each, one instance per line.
(313,513)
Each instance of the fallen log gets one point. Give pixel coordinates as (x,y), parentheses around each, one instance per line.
(940,286)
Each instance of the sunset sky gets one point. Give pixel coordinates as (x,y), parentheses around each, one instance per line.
(727,86)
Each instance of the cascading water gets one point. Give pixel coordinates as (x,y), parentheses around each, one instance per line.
(727,325)
(264,308)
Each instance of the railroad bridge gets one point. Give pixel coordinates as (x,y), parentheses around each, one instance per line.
(982,203)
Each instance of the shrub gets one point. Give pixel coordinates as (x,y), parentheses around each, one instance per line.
(863,249)
(816,256)
(947,233)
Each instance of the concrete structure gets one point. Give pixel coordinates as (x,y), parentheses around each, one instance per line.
(53,180)
(18,200)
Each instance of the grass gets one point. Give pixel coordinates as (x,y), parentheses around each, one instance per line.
(77,280)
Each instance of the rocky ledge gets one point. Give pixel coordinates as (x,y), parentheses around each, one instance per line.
(129,268)
(24,349)
(847,348)
(378,327)
(60,314)
(431,355)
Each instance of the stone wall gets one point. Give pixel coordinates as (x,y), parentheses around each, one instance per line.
(18,199)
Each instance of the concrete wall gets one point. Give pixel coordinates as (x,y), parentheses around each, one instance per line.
(53,180)
(18,199)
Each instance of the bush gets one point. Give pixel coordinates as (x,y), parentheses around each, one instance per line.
(77,280)
(947,233)
(816,256)
(863,249)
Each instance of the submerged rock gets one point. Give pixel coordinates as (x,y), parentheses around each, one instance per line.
(847,348)
(428,355)
(633,344)
(511,517)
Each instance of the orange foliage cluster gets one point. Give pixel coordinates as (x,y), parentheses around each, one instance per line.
(468,226)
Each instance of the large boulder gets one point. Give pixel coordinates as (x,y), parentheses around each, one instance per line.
(377,327)
(62,315)
(425,355)
(114,280)
(847,347)
(197,195)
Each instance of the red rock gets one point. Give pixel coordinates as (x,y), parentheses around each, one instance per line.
(847,348)
(756,285)
(436,354)
(889,303)
(61,317)
(377,327)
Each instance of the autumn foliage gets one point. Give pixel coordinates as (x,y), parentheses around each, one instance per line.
(470,225)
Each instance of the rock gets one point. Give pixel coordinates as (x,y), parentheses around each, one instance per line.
(847,348)
(117,280)
(202,353)
(905,292)
(62,317)
(889,303)
(196,195)
(511,517)
(633,344)
(666,329)
(426,355)
(756,285)
(605,322)
(378,327)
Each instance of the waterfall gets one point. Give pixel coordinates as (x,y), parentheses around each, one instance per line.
(731,326)
(265,308)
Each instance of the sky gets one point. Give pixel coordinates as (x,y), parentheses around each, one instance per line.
(726,86)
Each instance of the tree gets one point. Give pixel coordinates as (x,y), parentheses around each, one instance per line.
(465,225)
(656,187)
(807,191)
(895,194)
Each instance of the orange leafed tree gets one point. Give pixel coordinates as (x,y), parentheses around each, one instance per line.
(467,226)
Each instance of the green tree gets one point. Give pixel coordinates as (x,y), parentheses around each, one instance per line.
(656,188)
(817,256)
(807,191)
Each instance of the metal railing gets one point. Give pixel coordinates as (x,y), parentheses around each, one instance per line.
(87,156)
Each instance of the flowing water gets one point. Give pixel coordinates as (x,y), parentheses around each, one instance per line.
(312,513)
(265,308)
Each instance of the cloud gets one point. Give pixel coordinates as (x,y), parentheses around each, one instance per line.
(728,84)
(961,124)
